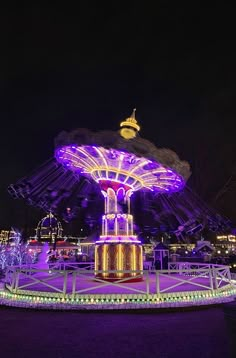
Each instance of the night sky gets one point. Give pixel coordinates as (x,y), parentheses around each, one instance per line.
(89,66)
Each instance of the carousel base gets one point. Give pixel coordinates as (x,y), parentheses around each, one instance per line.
(119,259)
(124,299)
(64,288)
(38,300)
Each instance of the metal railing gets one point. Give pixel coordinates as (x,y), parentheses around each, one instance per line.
(69,279)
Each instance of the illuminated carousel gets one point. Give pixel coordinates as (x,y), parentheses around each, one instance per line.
(113,165)
(127,165)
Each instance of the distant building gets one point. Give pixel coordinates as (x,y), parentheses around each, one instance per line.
(225,244)
(7,236)
(49,229)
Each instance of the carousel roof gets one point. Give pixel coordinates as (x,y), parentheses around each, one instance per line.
(121,157)
(139,147)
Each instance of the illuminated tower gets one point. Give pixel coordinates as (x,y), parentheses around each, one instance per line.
(129,127)
(118,248)
(120,169)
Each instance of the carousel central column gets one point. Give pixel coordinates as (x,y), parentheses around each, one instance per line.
(117,249)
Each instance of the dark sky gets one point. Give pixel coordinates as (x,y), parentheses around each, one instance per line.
(89,66)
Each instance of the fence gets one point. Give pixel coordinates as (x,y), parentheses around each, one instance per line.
(68,279)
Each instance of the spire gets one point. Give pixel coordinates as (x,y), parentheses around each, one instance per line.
(129,127)
(133,113)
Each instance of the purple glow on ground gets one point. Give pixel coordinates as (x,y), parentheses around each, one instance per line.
(203,333)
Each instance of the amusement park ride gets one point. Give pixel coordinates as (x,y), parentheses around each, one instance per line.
(119,173)
(117,164)
(116,169)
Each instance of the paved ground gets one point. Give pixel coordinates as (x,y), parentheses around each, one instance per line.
(206,333)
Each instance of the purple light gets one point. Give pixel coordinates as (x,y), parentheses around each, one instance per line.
(118,239)
(116,166)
